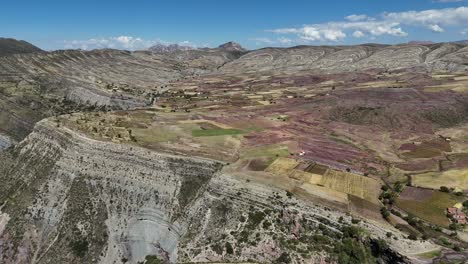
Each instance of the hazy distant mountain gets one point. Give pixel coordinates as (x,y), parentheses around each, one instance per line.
(232,46)
(464,42)
(10,46)
(228,46)
(421,42)
(428,42)
(161,48)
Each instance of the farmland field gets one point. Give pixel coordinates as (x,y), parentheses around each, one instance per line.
(360,186)
(271,151)
(452,178)
(216,132)
(429,205)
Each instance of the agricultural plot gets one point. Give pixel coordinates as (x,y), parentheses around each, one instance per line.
(427,204)
(364,208)
(160,131)
(216,132)
(282,166)
(457,178)
(426,149)
(363,187)
(270,151)
(325,193)
(288,167)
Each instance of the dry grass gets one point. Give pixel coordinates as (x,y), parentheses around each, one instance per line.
(360,186)
(450,178)
(325,193)
(282,166)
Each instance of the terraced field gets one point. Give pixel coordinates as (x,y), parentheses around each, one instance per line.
(357,185)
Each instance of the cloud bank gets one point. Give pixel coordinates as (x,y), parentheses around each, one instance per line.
(119,42)
(385,24)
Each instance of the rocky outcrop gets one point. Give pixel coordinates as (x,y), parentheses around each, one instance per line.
(5,142)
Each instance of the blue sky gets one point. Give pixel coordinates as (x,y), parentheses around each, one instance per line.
(255,23)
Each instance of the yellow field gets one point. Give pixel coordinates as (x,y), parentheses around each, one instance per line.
(460,85)
(282,166)
(360,186)
(286,167)
(461,78)
(303,176)
(380,84)
(451,178)
(333,182)
(325,193)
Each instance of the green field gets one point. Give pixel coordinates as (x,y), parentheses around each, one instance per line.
(270,151)
(430,254)
(432,209)
(216,132)
(151,135)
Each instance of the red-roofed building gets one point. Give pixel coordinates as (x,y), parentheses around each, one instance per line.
(453,210)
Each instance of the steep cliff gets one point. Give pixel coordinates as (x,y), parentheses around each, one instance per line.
(66,193)
(71,199)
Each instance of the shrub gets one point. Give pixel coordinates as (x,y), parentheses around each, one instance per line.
(283,258)
(465,203)
(384,212)
(229,249)
(444,189)
(79,247)
(152,259)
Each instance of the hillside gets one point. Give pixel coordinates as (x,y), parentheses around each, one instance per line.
(309,154)
(10,46)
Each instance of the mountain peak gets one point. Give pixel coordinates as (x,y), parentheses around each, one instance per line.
(232,46)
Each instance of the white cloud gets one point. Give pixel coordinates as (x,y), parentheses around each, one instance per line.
(335,31)
(286,30)
(354,18)
(333,34)
(285,41)
(436,28)
(464,31)
(282,41)
(428,18)
(119,42)
(358,34)
(262,41)
(391,24)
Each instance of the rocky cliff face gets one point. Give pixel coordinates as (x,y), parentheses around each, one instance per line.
(70,199)
(68,193)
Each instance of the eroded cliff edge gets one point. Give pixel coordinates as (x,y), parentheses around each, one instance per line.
(70,199)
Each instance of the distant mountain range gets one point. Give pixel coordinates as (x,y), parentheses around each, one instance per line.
(161,48)
(464,42)
(428,42)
